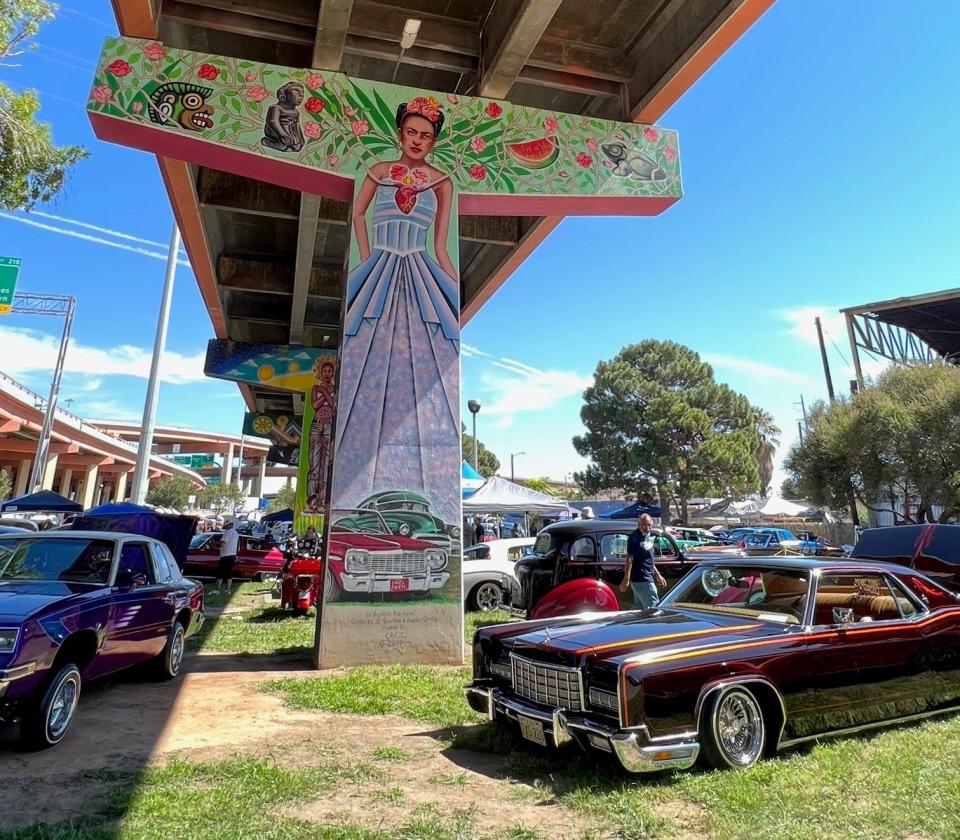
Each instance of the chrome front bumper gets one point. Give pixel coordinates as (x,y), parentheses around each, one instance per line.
(10,674)
(636,750)
(366,582)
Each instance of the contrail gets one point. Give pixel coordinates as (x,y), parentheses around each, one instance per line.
(97,228)
(86,237)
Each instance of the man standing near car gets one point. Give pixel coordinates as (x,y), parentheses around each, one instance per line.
(228,555)
(640,573)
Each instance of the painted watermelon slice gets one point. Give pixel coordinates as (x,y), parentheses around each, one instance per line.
(535,154)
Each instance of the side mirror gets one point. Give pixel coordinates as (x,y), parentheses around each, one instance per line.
(843,615)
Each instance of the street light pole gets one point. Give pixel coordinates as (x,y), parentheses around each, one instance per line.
(512,454)
(240,466)
(142,471)
(474,407)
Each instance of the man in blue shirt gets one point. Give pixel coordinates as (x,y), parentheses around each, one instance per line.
(640,573)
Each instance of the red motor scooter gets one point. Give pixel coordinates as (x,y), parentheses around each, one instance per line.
(300,578)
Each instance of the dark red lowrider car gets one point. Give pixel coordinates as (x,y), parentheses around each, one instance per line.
(743,657)
(255,560)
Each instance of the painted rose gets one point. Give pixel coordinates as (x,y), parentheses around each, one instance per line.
(250,76)
(257,93)
(314,105)
(359,127)
(670,153)
(350,112)
(397,171)
(315,81)
(478,144)
(494,110)
(208,72)
(584,159)
(313,130)
(592,145)
(650,135)
(563,173)
(333,160)
(119,68)
(478,172)
(551,125)
(155,52)
(452,98)
(137,107)
(101,94)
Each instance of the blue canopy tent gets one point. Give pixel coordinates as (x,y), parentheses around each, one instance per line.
(470,480)
(635,510)
(119,509)
(285,515)
(44,501)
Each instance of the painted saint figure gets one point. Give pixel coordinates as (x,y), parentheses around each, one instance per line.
(321,435)
(281,128)
(401,346)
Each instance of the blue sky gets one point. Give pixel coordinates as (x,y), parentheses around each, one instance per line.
(819,172)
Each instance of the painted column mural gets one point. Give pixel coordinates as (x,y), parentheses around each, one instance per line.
(409,161)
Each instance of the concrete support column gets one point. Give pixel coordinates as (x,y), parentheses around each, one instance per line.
(90,482)
(23,477)
(261,475)
(226,471)
(49,472)
(65,481)
(120,488)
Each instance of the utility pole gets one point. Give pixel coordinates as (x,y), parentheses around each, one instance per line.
(474,407)
(800,429)
(512,455)
(826,364)
(803,408)
(141,475)
(240,465)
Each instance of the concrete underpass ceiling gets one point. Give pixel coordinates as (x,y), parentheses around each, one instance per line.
(269,260)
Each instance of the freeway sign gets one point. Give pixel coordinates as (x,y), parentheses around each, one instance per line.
(9,269)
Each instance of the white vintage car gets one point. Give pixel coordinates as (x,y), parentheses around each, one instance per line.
(488,571)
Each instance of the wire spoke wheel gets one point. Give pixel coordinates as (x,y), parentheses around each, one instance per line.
(738,728)
(62,708)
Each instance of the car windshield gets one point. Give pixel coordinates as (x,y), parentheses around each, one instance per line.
(198,540)
(762,593)
(359,522)
(67,560)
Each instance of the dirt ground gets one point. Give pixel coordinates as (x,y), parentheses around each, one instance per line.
(216,709)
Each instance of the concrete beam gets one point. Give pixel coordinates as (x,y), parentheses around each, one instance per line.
(276,277)
(10,427)
(23,477)
(90,480)
(332,25)
(303,268)
(30,446)
(87,460)
(510,33)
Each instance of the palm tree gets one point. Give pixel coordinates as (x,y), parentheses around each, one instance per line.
(768,439)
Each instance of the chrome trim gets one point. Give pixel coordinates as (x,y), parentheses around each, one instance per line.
(17,632)
(18,673)
(708,689)
(641,759)
(866,727)
(518,662)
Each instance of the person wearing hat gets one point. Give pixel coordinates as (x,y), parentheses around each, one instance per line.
(586,512)
(229,544)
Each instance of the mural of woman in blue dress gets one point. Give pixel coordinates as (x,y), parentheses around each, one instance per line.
(398,422)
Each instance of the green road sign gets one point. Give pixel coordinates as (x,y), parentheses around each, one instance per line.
(9,270)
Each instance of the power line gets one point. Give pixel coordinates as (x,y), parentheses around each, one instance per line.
(72,11)
(70,55)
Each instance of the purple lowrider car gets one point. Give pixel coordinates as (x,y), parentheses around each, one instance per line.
(76,605)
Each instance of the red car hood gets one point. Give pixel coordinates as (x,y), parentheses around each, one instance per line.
(341,541)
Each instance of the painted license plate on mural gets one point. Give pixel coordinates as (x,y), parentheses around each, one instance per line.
(532,730)
(400,585)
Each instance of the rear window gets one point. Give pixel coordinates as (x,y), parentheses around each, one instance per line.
(545,543)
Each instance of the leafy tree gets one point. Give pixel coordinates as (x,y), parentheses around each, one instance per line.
(220,497)
(285,499)
(768,439)
(658,423)
(790,488)
(32,168)
(896,441)
(488,464)
(173,491)
(542,485)
(6,485)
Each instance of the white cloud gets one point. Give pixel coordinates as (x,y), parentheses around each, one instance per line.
(756,370)
(470,350)
(107,409)
(27,351)
(528,389)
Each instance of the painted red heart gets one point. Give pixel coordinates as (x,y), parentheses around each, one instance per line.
(406,199)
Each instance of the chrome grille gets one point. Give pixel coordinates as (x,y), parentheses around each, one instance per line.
(398,562)
(549,685)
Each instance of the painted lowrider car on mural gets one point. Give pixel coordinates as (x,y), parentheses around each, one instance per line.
(76,605)
(742,658)
(373,561)
(408,514)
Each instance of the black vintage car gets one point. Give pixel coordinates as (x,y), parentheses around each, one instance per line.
(593,552)
(933,549)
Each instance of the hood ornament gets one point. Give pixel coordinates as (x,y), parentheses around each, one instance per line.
(546,633)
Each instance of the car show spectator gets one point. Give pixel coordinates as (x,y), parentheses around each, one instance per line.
(640,572)
(309,543)
(228,556)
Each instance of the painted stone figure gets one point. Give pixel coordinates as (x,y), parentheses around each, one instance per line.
(183,104)
(401,335)
(281,128)
(323,400)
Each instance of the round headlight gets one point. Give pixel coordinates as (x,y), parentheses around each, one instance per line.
(437,559)
(357,560)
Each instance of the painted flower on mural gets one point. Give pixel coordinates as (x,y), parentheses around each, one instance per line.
(350,112)
(137,107)
(315,81)
(478,144)
(415,177)
(478,172)
(592,145)
(494,110)
(670,153)
(650,135)
(426,106)
(333,160)
(208,72)
(452,98)
(119,68)
(250,76)
(314,105)
(359,128)
(313,130)
(257,93)
(101,94)
(584,159)
(551,125)
(155,52)
(563,173)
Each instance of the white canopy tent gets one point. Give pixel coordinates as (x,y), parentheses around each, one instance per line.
(775,506)
(497,495)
